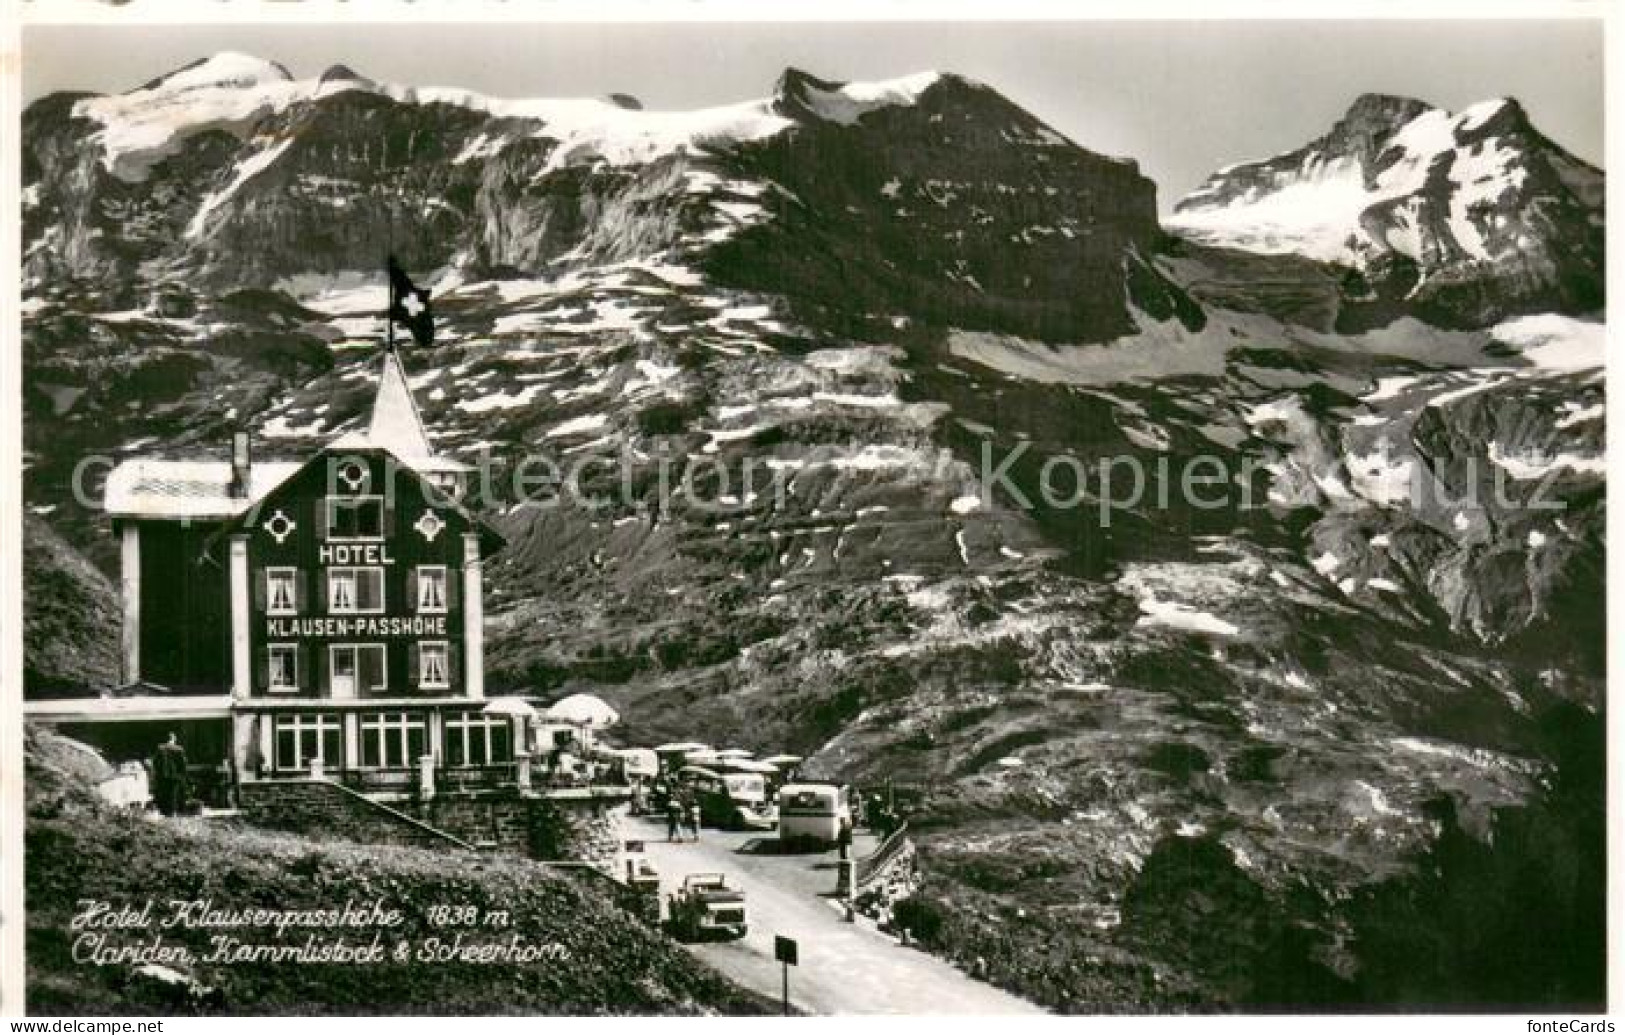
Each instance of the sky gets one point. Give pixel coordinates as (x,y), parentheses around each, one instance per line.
(1181,97)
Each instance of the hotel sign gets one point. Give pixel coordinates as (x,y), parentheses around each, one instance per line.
(354,553)
(357,625)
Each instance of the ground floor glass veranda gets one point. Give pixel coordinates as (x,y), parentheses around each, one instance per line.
(371,745)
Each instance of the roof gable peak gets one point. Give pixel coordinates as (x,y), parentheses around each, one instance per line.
(396,423)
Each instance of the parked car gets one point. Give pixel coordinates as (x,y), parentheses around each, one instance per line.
(730,801)
(705,908)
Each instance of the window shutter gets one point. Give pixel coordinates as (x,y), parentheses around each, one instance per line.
(300,669)
(301,593)
(262,673)
(318,672)
(260,590)
(321,519)
(452,579)
(326,591)
(388,528)
(370,669)
(412,589)
(413,665)
(454,670)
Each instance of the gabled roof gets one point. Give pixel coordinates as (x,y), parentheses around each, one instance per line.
(142,706)
(201,489)
(395,417)
(397,425)
(198,489)
(312,476)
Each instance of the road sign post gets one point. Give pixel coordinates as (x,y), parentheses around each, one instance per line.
(787,953)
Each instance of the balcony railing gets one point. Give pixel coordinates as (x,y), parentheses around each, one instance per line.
(447,778)
(475,777)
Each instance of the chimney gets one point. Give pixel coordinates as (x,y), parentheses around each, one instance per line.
(241,464)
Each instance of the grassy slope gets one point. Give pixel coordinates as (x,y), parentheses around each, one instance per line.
(78,849)
(70,616)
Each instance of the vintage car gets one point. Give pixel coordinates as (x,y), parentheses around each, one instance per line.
(705,908)
(729,801)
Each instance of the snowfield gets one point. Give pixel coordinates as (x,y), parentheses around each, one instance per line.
(1316,209)
(852,101)
(1311,216)
(232,92)
(1554,343)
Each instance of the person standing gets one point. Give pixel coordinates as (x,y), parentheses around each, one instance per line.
(694,818)
(674,818)
(169,776)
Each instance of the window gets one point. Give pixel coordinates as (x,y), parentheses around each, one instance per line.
(355,591)
(475,739)
(392,740)
(357,669)
(434,665)
(281,598)
(283,666)
(448,483)
(432,589)
(302,738)
(357,518)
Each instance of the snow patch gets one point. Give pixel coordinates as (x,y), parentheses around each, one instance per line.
(1159,350)
(1574,413)
(1326,563)
(848,103)
(1379,476)
(1389,388)
(493,401)
(1533,464)
(579,425)
(1175,615)
(1560,344)
(247,169)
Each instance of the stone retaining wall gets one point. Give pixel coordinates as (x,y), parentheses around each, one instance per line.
(574,827)
(322,808)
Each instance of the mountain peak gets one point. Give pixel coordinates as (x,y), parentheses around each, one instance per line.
(342,73)
(801,93)
(1494,117)
(1387,107)
(793,82)
(226,69)
(1364,130)
(1431,203)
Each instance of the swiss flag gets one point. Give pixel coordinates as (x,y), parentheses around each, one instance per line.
(409,305)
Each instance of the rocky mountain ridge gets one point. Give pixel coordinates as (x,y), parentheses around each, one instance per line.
(867,335)
(1464,218)
(232,173)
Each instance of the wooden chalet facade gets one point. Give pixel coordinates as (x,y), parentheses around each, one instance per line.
(333,608)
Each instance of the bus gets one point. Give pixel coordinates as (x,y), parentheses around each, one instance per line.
(814,812)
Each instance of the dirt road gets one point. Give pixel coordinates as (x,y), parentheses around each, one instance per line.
(845,968)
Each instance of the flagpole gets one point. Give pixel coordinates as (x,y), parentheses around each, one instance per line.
(389,312)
